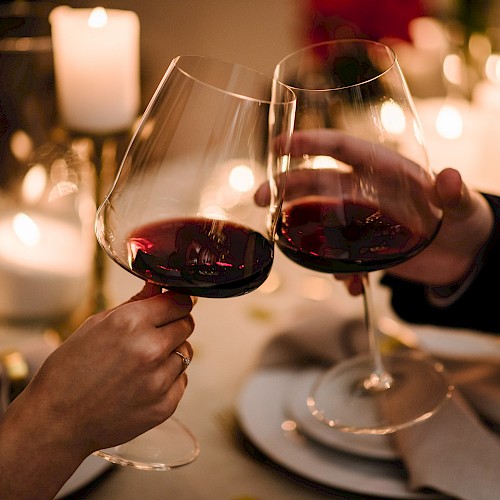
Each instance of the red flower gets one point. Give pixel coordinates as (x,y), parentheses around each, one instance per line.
(374,19)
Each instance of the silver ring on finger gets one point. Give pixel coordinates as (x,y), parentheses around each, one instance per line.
(185,360)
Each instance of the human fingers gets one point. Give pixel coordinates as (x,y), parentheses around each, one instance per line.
(184,355)
(302,182)
(148,290)
(453,194)
(351,150)
(352,282)
(172,365)
(172,335)
(169,401)
(169,381)
(390,169)
(158,309)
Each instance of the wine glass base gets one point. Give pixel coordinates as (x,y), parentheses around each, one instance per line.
(165,447)
(339,399)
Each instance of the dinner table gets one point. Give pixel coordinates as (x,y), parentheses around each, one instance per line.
(229,338)
(245,393)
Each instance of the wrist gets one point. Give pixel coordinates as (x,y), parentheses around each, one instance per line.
(481,231)
(35,458)
(445,295)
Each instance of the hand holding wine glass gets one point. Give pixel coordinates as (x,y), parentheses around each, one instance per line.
(466,212)
(181,215)
(114,377)
(360,197)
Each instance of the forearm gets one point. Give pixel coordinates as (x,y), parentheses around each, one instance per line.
(35,460)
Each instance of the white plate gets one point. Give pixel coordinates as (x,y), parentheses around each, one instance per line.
(446,343)
(452,343)
(261,413)
(298,389)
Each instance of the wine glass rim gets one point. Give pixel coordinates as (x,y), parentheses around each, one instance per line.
(287,99)
(342,41)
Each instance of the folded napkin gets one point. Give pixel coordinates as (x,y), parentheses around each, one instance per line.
(454,452)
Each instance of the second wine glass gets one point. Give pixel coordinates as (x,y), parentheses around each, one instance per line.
(359,199)
(181,213)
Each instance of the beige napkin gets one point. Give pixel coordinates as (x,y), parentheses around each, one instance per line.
(453,452)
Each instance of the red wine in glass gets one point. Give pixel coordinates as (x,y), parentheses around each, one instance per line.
(344,236)
(201,256)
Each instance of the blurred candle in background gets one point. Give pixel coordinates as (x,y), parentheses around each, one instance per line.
(44,265)
(96,63)
(486,93)
(450,138)
(455,135)
(47,241)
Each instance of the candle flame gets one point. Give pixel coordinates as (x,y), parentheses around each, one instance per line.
(492,68)
(34,184)
(449,122)
(21,145)
(453,69)
(241,178)
(26,229)
(98,18)
(392,117)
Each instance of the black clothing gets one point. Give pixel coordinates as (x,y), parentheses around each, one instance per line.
(477,308)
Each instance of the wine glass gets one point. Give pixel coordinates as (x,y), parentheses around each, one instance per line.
(359,199)
(181,213)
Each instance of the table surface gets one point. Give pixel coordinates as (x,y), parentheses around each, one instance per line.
(228,339)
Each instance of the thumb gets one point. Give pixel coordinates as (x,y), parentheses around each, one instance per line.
(454,195)
(147,291)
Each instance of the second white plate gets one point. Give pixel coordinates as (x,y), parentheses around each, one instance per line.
(372,446)
(263,419)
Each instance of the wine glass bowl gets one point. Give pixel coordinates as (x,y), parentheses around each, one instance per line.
(199,154)
(181,212)
(359,198)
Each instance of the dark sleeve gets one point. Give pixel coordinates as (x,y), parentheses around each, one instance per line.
(478,308)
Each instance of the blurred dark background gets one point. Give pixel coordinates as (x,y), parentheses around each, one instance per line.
(255,33)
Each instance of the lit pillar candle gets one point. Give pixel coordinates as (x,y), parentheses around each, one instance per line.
(486,93)
(96,63)
(44,266)
(455,136)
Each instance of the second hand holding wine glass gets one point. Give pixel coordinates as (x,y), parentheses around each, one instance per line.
(359,199)
(181,212)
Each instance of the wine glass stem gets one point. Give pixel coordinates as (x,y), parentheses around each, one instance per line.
(379,379)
